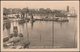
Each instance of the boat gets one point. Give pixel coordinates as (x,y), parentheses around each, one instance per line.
(44,19)
(15,40)
(15,43)
(62,20)
(21,21)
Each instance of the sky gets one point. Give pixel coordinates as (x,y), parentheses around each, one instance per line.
(40,4)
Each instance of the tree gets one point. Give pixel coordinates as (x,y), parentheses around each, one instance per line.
(6,11)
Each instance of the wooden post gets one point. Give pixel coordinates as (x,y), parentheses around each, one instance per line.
(52,34)
(27,32)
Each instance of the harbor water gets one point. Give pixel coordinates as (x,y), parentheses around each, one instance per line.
(47,34)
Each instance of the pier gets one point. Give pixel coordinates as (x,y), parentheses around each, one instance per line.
(28,19)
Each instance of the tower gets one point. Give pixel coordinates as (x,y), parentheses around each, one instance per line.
(67,8)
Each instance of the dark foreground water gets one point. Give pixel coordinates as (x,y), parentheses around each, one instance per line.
(48,34)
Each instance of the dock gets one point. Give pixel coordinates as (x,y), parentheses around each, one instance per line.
(26,20)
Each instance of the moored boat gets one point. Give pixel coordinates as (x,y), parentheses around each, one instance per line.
(15,40)
(62,20)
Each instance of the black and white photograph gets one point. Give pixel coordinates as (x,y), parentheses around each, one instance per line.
(40,24)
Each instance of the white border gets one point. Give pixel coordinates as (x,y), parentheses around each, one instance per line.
(69,49)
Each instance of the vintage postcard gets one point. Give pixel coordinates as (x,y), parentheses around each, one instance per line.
(39,25)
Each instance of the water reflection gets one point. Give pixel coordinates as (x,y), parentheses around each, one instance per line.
(46,34)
